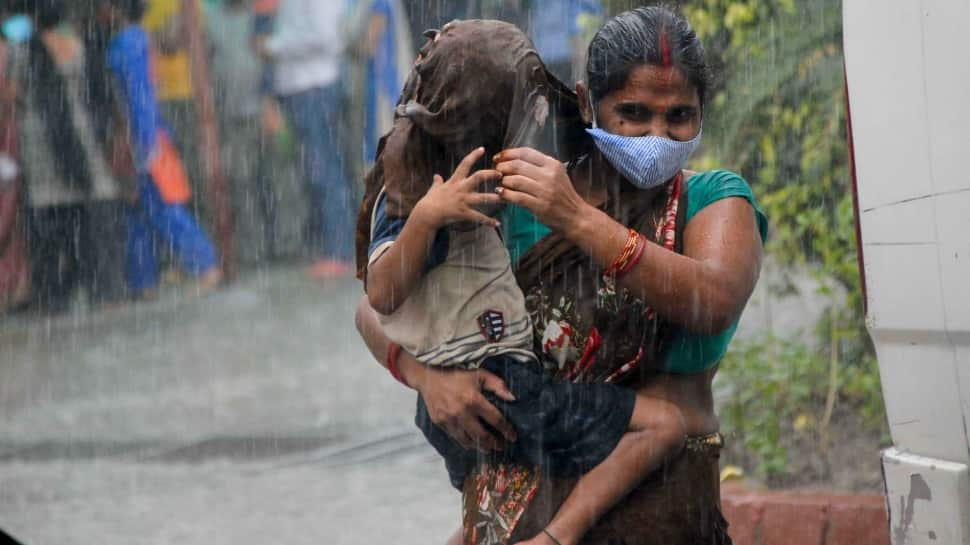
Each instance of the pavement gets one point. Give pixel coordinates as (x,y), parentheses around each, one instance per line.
(251,415)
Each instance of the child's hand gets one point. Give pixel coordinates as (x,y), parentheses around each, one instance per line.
(455,201)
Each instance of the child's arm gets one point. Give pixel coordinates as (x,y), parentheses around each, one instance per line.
(394,274)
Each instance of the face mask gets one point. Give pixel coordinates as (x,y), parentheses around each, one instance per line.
(17,29)
(646,161)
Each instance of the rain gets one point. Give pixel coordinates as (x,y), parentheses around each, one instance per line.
(216,304)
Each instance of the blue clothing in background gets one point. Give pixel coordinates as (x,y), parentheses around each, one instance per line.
(315,115)
(554,23)
(384,79)
(129,58)
(151,218)
(152,221)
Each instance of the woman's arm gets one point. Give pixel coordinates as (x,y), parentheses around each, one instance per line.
(704,290)
(454,397)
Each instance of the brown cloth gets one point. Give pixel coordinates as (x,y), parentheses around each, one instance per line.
(474,83)
(677,504)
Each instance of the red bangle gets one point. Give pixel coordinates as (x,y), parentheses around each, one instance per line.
(623,259)
(393,355)
(641,246)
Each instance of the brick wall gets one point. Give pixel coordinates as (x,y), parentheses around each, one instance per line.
(780,518)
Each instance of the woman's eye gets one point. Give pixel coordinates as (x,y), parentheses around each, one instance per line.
(633,112)
(681,115)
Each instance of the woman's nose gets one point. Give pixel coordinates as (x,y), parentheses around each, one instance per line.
(658,126)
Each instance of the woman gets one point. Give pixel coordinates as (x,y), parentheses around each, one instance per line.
(659,327)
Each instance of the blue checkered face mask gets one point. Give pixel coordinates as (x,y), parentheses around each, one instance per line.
(646,161)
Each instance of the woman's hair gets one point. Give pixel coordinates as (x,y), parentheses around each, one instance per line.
(654,35)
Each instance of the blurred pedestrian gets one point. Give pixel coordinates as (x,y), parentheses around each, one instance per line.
(167,26)
(14,270)
(73,200)
(557,29)
(383,40)
(162,186)
(237,76)
(306,47)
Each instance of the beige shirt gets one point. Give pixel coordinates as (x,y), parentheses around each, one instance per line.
(466,309)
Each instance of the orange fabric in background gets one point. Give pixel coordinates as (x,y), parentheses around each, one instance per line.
(168,172)
(263,7)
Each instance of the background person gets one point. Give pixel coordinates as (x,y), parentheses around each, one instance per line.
(73,200)
(306,48)
(237,75)
(162,189)
(556,28)
(175,88)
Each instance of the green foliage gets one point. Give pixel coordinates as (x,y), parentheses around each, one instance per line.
(777,115)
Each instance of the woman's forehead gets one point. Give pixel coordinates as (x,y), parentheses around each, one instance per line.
(649,83)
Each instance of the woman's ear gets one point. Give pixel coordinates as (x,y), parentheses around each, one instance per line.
(582,95)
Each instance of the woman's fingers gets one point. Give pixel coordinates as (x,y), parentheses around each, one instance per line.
(518,198)
(522,184)
(520,167)
(478,437)
(481,177)
(492,383)
(437,180)
(494,418)
(465,167)
(528,155)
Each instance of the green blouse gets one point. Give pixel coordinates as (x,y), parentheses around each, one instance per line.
(689,353)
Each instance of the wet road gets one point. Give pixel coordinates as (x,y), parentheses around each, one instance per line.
(252,415)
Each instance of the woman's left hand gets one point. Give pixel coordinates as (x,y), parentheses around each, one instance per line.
(539,183)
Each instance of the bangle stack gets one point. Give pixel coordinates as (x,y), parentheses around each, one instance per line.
(629,256)
(393,355)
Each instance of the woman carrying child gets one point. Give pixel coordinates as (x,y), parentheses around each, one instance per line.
(635,273)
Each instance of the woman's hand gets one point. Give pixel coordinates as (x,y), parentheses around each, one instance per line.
(541,184)
(456,404)
(456,200)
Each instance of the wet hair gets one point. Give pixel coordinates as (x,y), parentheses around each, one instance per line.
(656,36)
(130,9)
(46,14)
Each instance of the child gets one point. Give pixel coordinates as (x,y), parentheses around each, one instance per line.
(440,277)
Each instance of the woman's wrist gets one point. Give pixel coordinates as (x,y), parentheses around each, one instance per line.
(411,371)
(581,224)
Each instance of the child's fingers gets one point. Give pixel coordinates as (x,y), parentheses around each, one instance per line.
(465,167)
(481,199)
(481,177)
(437,180)
(478,217)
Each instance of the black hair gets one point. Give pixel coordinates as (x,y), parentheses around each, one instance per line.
(655,35)
(45,14)
(132,10)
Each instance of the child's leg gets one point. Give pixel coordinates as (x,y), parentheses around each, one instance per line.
(656,430)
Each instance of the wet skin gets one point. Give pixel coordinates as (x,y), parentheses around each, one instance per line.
(704,290)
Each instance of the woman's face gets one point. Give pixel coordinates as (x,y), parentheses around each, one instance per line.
(655,101)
